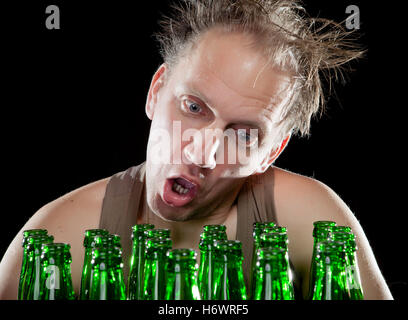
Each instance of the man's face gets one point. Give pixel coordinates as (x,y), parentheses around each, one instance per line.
(214,122)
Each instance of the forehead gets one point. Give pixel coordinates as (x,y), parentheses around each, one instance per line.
(231,62)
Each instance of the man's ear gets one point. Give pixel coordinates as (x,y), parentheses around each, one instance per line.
(155,85)
(273,156)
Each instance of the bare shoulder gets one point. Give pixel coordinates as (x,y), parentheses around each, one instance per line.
(72,213)
(84,203)
(295,191)
(301,200)
(66,218)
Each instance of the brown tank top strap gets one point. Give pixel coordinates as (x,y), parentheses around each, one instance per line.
(255,204)
(120,208)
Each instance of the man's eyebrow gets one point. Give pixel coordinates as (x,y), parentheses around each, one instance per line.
(261,127)
(186,88)
(192,90)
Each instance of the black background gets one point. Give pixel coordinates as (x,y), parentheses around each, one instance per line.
(73,112)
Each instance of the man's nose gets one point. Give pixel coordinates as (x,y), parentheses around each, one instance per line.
(202,148)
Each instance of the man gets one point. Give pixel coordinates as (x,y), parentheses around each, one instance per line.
(238,79)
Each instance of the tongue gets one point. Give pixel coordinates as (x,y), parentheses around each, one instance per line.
(184,183)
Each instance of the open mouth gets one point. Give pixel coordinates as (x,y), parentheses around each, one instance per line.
(179,191)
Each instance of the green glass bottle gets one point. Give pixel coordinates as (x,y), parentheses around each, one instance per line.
(89,243)
(32,279)
(271,239)
(107,240)
(352,271)
(219,234)
(321,232)
(26,234)
(112,242)
(154,271)
(118,278)
(258,229)
(137,261)
(272,281)
(330,282)
(67,264)
(280,239)
(214,227)
(341,229)
(274,239)
(154,233)
(181,272)
(99,280)
(274,229)
(206,266)
(229,277)
(56,280)
(107,282)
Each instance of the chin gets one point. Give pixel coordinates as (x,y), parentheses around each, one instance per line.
(169,213)
(175,216)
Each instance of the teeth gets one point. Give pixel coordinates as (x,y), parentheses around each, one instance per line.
(179,188)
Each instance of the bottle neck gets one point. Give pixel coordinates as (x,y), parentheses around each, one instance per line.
(107,259)
(35,243)
(276,264)
(139,242)
(333,260)
(154,233)
(35,249)
(207,245)
(321,237)
(157,253)
(91,234)
(281,243)
(229,277)
(227,258)
(32,232)
(182,266)
(140,232)
(351,257)
(56,259)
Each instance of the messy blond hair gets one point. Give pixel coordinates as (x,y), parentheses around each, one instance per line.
(311,47)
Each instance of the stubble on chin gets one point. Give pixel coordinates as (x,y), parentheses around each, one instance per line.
(175,216)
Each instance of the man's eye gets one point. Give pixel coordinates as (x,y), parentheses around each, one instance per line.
(193,107)
(245,137)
